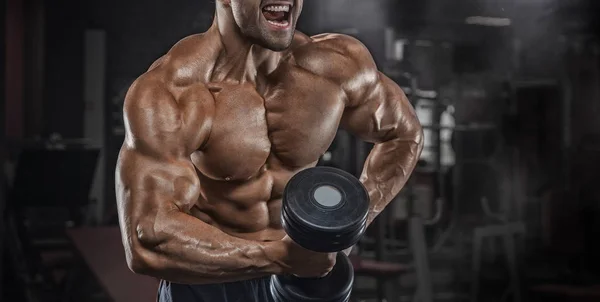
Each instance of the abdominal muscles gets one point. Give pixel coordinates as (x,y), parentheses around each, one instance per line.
(248,209)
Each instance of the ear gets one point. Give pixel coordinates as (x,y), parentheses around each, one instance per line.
(225,2)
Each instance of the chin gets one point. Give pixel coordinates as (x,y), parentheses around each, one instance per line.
(276,44)
(277,47)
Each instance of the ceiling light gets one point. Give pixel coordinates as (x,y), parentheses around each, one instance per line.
(488,21)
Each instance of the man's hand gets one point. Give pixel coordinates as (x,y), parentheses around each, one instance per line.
(301,262)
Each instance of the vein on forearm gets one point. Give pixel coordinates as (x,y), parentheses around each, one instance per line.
(387,169)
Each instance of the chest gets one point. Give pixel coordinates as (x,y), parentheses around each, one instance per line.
(292,118)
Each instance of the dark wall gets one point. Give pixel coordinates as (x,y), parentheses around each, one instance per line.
(141,31)
(2,72)
(2,137)
(138,32)
(63,102)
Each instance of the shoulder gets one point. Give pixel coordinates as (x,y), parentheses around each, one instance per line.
(187,60)
(339,58)
(150,108)
(157,122)
(176,73)
(342,44)
(169,106)
(329,42)
(325,51)
(150,92)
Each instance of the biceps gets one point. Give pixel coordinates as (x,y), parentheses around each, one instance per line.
(383,114)
(148,185)
(149,191)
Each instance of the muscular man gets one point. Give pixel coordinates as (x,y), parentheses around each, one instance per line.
(217,127)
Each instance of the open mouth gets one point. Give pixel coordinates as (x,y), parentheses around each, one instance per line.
(277,15)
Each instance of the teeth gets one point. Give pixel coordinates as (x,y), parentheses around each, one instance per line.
(279,24)
(278,8)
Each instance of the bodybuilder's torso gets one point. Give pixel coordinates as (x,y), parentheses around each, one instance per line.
(268,123)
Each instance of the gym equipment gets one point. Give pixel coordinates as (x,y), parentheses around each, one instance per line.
(64,180)
(327,204)
(335,287)
(325,210)
(509,232)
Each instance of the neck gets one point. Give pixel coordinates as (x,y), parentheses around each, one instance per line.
(240,57)
(231,37)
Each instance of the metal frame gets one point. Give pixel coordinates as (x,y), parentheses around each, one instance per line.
(508,232)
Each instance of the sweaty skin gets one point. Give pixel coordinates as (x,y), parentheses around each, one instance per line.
(218,125)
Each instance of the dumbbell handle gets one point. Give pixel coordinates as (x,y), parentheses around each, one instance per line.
(321,277)
(293,289)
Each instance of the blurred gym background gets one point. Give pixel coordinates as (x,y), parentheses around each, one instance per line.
(503,206)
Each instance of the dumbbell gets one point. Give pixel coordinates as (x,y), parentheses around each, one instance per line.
(324,210)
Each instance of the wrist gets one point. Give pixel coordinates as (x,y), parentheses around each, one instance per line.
(275,252)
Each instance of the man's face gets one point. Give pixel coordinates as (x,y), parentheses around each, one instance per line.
(268,23)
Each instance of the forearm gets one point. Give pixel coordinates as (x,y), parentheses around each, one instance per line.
(186,250)
(387,169)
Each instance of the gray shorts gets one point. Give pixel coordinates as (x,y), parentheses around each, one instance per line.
(256,290)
